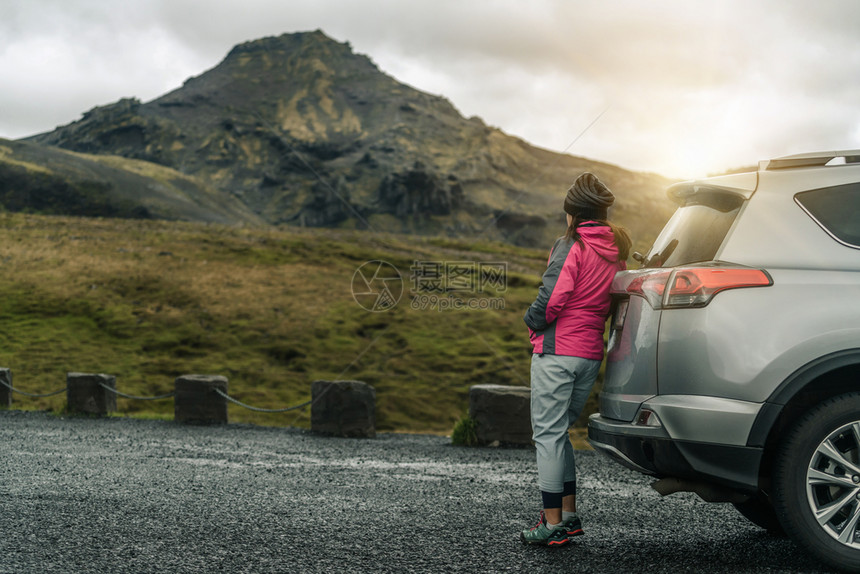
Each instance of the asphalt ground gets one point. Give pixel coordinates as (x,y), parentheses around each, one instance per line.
(125,495)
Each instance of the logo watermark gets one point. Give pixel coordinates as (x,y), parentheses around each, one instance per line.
(436,285)
(458,276)
(377,286)
(437,303)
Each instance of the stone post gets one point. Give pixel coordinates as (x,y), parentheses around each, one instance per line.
(5,392)
(502,414)
(196,401)
(343,408)
(86,395)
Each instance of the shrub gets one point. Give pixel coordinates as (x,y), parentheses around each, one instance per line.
(464,432)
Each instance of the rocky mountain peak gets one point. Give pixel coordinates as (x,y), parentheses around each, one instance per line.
(302,130)
(279,51)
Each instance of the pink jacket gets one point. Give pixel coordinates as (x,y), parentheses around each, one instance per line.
(569,315)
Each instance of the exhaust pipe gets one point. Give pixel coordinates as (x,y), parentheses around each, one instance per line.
(706,491)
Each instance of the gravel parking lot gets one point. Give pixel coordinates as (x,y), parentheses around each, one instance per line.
(124,495)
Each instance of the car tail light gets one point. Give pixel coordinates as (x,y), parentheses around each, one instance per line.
(694,286)
(650,285)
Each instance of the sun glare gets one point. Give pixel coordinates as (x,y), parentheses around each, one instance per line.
(690,162)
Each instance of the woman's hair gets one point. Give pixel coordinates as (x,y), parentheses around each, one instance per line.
(622,237)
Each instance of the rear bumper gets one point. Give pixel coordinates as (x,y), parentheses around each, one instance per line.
(650,450)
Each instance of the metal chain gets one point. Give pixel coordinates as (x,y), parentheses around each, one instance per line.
(14,390)
(159,397)
(259,410)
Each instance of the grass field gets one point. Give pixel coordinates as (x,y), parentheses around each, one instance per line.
(271,309)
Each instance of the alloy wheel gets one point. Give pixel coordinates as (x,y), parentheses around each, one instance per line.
(833,484)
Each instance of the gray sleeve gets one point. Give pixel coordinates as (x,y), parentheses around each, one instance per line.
(535,316)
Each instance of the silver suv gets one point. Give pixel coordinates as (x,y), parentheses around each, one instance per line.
(733,363)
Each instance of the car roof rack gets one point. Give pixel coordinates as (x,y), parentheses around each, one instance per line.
(815,159)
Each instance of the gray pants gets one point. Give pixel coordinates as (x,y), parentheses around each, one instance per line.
(560,386)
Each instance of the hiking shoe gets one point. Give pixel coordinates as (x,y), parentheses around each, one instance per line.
(573,526)
(545,536)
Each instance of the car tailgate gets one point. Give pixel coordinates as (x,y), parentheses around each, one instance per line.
(631,360)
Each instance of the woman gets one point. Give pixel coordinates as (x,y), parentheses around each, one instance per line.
(566,324)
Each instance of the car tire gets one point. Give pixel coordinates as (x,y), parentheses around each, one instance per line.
(760,512)
(816,482)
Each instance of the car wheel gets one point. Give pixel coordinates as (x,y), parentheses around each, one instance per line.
(817,482)
(761,513)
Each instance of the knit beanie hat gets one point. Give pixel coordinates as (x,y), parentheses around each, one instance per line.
(588,198)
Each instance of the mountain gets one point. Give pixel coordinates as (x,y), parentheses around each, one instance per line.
(299,130)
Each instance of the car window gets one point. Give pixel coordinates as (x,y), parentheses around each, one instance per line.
(695,231)
(836,209)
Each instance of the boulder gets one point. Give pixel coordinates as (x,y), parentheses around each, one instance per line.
(5,388)
(502,414)
(343,408)
(196,402)
(86,393)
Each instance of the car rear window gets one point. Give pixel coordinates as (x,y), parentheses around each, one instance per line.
(836,210)
(695,231)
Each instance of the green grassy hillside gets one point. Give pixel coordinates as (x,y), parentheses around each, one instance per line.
(271,309)
(53,181)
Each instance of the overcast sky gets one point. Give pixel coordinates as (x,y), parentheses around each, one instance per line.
(685,87)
